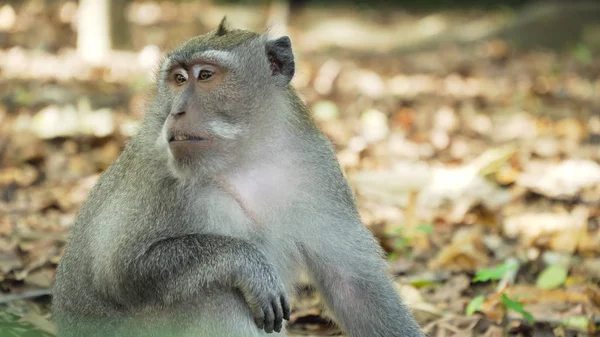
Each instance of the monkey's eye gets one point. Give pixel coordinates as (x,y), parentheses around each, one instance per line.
(180,78)
(205,74)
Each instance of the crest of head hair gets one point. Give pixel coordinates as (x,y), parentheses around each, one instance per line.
(223,27)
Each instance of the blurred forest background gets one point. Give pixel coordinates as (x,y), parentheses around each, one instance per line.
(469,130)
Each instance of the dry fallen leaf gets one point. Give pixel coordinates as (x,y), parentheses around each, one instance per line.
(562,180)
(559,231)
(466,252)
(9,259)
(452,289)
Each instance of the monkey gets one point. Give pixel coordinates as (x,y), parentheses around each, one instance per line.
(227,191)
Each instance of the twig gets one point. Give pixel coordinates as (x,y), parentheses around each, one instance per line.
(25,295)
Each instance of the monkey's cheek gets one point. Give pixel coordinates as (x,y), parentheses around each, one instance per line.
(189,151)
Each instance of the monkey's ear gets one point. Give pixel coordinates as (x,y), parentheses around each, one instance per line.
(223,27)
(281,59)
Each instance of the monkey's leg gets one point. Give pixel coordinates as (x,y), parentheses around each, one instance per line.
(351,277)
(218,313)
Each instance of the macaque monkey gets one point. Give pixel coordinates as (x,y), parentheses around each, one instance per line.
(200,227)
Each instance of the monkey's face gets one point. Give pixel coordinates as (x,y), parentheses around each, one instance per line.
(221,91)
(194,124)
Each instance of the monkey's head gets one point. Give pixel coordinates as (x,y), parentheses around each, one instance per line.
(218,93)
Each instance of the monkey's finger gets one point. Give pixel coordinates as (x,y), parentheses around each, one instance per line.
(269,318)
(285,305)
(259,317)
(278,315)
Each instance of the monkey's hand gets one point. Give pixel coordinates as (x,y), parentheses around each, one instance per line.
(265,294)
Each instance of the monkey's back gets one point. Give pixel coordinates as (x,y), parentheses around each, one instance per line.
(78,308)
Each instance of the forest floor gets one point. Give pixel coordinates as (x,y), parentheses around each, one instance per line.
(474,162)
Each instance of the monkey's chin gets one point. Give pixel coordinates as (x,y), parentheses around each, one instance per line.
(188,150)
(194,161)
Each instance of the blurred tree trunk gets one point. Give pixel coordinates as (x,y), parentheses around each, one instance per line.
(278,15)
(119,27)
(93,30)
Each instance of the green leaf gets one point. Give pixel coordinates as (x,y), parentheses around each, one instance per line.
(425,228)
(12,325)
(495,274)
(396,233)
(401,243)
(517,307)
(583,54)
(474,305)
(552,277)
(423,283)
(23,96)
(392,256)
(577,322)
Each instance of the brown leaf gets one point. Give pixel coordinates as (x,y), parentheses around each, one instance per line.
(22,176)
(9,259)
(6,226)
(452,289)
(466,252)
(42,278)
(593,292)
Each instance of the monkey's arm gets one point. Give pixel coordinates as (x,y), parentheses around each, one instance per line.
(349,272)
(178,268)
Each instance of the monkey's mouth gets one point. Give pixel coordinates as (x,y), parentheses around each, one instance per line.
(185,138)
(186,145)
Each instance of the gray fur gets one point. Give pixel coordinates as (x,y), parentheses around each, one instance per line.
(194,248)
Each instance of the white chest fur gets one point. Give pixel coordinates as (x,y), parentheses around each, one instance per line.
(221,213)
(249,204)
